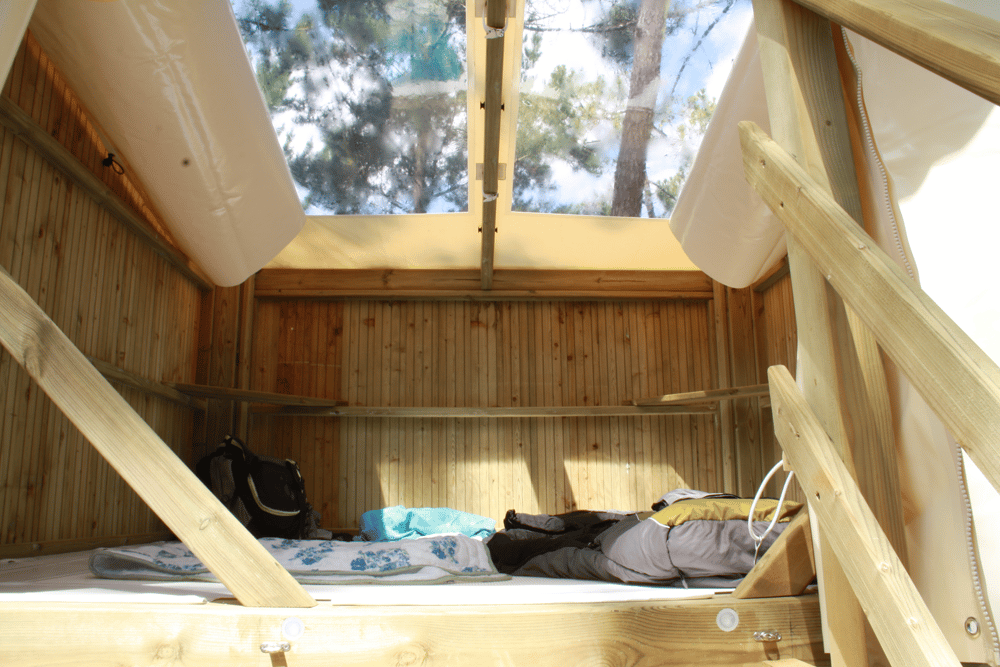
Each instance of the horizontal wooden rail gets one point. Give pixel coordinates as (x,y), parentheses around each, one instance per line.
(904,625)
(49,547)
(959,381)
(405,412)
(464,284)
(61,158)
(961,46)
(160,389)
(706,395)
(138,454)
(250,396)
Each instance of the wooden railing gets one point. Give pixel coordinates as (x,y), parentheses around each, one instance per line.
(850,296)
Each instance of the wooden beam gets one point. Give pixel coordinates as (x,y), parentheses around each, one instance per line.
(960,45)
(905,627)
(170,393)
(786,568)
(839,362)
(146,463)
(958,380)
(464,284)
(21,124)
(404,412)
(251,396)
(705,395)
(681,633)
(496,19)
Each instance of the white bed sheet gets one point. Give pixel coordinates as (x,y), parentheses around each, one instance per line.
(67,578)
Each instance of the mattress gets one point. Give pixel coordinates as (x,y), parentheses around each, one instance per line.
(67,578)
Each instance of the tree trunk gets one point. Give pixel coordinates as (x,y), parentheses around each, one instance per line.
(630,171)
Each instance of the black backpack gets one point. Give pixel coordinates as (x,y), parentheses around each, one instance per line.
(266,494)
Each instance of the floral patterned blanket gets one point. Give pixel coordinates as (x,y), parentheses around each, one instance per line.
(425,560)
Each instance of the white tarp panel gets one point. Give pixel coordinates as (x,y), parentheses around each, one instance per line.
(720,221)
(14,17)
(176,97)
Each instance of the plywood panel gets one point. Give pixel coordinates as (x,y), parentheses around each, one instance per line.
(478,353)
(117,300)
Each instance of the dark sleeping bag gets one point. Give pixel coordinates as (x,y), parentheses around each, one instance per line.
(690,541)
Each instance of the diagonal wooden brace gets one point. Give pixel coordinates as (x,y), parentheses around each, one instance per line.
(904,626)
(145,462)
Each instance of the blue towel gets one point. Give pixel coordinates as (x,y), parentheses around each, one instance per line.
(397,523)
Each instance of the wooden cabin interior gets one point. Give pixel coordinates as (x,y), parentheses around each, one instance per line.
(483,389)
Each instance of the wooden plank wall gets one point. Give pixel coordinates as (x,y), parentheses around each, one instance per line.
(467,353)
(777,344)
(755,329)
(116,298)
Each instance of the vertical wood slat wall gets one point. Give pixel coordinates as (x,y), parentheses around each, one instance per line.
(778,344)
(755,329)
(117,299)
(487,354)
(100,285)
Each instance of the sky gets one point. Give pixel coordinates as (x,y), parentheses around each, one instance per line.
(708,67)
(709,62)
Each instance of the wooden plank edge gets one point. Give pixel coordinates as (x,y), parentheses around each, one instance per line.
(160,389)
(250,395)
(958,380)
(704,395)
(904,625)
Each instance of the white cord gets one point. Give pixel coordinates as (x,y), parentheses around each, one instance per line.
(758,540)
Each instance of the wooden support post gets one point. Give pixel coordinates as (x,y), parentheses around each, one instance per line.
(901,620)
(839,362)
(146,463)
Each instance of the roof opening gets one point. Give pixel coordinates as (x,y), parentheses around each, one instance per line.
(368,98)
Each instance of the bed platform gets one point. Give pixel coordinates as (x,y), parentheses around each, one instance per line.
(452,624)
